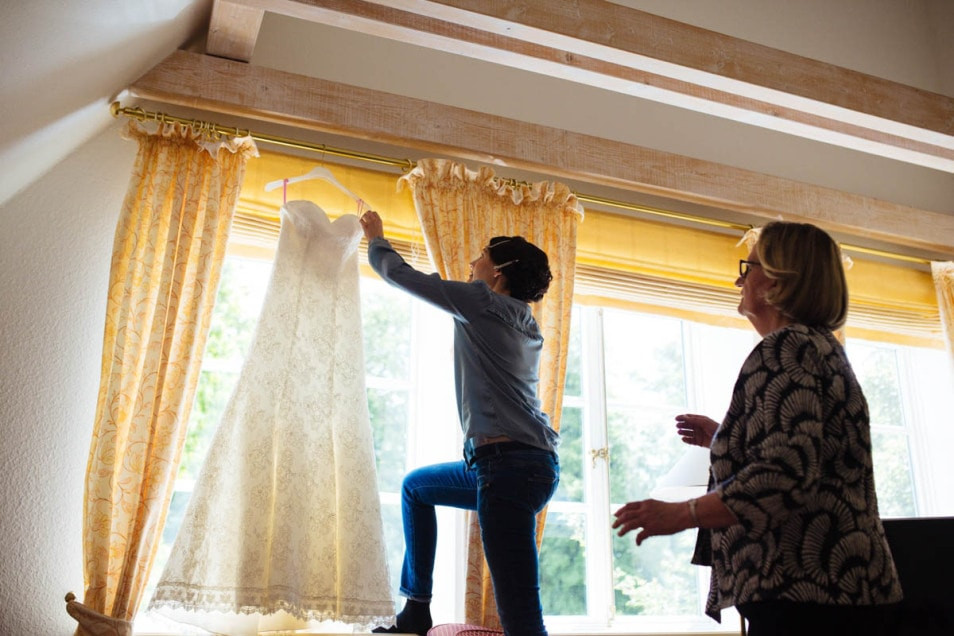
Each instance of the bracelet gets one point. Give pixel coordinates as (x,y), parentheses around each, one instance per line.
(692,513)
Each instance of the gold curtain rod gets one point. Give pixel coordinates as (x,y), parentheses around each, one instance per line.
(216,131)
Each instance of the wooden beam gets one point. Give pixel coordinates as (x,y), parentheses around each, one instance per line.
(616,48)
(223,86)
(233,30)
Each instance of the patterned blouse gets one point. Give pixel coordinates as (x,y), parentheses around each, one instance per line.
(792,461)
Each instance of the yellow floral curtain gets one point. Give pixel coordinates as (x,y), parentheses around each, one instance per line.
(167,258)
(460,210)
(943,274)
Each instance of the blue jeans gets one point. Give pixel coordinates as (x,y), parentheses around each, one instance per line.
(507,489)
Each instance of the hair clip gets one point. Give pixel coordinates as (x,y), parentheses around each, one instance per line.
(502,265)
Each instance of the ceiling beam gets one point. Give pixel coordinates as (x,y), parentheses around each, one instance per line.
(612,47)
(223,86)
(233,30)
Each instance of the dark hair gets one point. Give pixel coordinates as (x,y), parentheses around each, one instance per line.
(524,264)
(806,262)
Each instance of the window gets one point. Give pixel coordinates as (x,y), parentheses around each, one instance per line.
(629,373)
(909,398)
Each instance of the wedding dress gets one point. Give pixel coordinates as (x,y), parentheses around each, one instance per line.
(284,526)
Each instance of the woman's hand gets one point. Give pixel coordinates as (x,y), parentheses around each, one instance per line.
(696,429)
(654,517)
(372,225)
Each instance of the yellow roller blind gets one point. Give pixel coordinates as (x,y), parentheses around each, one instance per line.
(621,261)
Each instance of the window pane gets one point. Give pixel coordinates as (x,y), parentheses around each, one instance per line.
(238,303)
(717,356)
(893,478)
(655,578)
(388,412)
(574,371)
(644,362)
(877,370)
(571,456)
(211,396)
(394,544)
(646,388)
(386,323)
(563,565)
(643,447)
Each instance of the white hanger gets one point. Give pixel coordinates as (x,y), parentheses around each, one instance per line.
(318,172)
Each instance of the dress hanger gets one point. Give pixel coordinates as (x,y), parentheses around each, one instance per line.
(318,172)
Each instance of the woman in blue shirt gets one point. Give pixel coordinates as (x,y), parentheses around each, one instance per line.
(510,467)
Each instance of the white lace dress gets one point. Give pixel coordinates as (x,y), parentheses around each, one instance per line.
(284,526)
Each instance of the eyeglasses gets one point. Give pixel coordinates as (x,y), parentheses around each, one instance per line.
(745,266)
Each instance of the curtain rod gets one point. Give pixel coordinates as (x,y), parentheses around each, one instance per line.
(217,130)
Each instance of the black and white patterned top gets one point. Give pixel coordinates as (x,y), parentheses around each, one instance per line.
(792,460)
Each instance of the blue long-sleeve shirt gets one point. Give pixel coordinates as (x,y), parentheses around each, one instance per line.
(497,346)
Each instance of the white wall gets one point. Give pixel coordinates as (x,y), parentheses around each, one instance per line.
(55,248)
(63,62)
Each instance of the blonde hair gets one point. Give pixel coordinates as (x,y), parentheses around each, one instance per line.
(806,262)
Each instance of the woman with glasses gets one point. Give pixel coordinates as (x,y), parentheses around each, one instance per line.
(510,468)
(790,524)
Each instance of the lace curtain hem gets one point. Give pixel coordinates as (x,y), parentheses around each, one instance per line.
(305,609)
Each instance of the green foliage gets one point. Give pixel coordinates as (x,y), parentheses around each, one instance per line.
(573,384)
(563,565)
(877,372)
(386,324)
(571,456)
(876,368)
(643,446)
(238,304)
(234,316)
(388,412)
(893,474)
(656,578)
(211,397)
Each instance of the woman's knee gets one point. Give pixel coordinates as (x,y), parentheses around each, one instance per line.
(413,481)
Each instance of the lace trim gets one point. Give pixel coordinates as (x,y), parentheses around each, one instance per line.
(194,598)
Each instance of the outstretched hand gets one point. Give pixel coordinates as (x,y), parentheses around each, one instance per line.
(696,429)
(654,517)
(372,225)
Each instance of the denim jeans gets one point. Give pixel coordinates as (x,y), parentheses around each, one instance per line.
(507,490)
